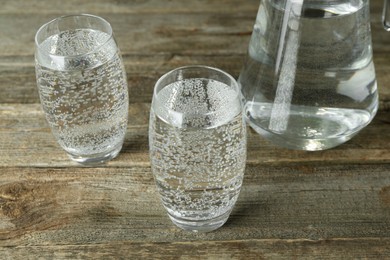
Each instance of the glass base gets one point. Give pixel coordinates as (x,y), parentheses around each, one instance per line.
(309,128)
(304,144)
(99,158)
(200,225)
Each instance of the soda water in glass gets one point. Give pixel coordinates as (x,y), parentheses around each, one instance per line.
(82,86)
(197,140)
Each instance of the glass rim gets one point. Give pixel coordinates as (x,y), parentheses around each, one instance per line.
(233,84)
(104,21)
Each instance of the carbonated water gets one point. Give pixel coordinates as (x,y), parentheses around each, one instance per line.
(83,91)
(198,149)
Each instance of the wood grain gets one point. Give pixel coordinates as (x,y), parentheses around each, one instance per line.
(154,41)
(248,249)
(26,140)
(46,206)
(127,7)
(332,204)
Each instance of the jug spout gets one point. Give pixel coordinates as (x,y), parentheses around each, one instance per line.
(386,15)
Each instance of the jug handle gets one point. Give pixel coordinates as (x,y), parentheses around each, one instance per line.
(386,15)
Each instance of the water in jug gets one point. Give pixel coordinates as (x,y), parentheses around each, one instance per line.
(309,82)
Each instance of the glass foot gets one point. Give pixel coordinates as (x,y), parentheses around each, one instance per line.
(200,225)
(98,158)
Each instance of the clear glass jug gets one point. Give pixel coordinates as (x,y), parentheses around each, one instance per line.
(308,81)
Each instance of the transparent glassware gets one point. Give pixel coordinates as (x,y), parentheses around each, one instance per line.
(197,140)
(309,81)
(82,86)
(386,15)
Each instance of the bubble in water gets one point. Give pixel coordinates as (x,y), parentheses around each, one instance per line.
(85,98)
(198,166)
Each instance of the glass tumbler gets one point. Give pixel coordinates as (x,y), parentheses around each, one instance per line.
(197,140)
(82,86)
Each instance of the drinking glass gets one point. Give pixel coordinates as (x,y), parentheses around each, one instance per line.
(82,86)
(197,140)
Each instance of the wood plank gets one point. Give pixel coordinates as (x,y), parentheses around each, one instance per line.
(144,33)
(18,83)
(153,42)
(154,52)
(25,140)
(369,248)
(148,33)
(131,7)
(81,206)
(126,7)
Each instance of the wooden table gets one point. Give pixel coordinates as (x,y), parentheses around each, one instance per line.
(294,204)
